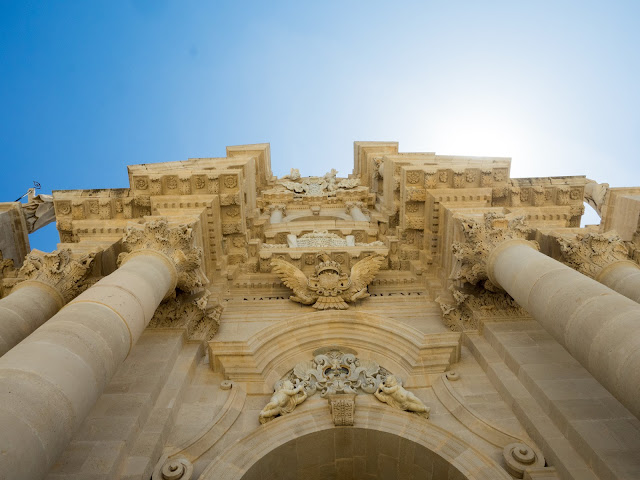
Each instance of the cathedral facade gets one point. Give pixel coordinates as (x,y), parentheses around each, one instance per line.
(426,317)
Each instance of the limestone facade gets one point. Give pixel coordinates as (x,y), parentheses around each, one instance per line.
(426,316)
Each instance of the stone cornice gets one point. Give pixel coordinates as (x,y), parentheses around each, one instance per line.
(590,253)
(176,243)
(66,275)
(480,239)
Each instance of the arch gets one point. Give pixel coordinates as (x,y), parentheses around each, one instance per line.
(273,351)
(310,429)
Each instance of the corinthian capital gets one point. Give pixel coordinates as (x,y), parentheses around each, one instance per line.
(591,252)
(481,237)
(177,243)
(280,206)
(68,276)
(359,205)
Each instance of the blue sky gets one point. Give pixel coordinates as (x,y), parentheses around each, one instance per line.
(90,87)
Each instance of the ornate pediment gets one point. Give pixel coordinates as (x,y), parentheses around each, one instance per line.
(316,186)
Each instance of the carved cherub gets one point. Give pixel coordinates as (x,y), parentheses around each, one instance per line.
(329,287)
(393,393)
(284,400)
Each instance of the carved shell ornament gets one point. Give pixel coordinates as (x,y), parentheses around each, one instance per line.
(328,287)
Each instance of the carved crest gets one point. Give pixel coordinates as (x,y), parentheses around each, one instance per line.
(329,287)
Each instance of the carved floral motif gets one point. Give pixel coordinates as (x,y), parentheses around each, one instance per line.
(176,242)
(58,269)
(590,253)
(480,238)
(328,287)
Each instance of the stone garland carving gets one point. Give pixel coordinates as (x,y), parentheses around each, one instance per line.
(328,287)
(317,186)
(480,238)
(58,269)
(339,376)
(176,242)
(590,253)
(475,303)
(199,314)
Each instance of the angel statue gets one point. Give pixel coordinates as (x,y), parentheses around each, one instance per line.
(393,393)
(329,287)
(284,400)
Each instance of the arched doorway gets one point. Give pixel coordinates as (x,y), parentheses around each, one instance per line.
(384,444)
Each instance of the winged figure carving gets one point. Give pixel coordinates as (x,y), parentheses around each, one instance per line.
(328,287)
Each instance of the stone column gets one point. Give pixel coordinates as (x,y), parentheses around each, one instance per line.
(52,279)
(604,258)
(357,211)
(277,212)
(598,326)
(50,381)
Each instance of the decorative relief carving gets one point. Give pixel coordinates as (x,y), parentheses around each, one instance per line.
(486,179)
(458,178)
(413,176)
(430,180)
(7,270)
(176,242)
(141,183)
(317,186)
(199,314)
(562,195)
(328,287)
(472,304)
(589,253)
(172,183)
(391,392)
(284,400)
(480,238)
(230,181)
(58,269)
(156,185)
(538,195)
(470,176)
(214,184)
(343,409)
(359,205)
(63,208)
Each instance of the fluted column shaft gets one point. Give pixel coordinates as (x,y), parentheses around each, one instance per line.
(597,325)
(623,277)
(50,381)
(30,305)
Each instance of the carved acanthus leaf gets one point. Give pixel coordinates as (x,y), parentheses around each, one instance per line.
(58,269)
(176,242)
(589,253)
(199,314)
(480,238)
(472,304)
(7,270)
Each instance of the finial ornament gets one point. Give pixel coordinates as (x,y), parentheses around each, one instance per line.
(175,242)
(68,276)
(480,238)
(329,287)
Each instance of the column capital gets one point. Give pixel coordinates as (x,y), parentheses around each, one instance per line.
(67,276)
(590,253)
(175,243)
(480,238)
(278,207)
(355,204)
